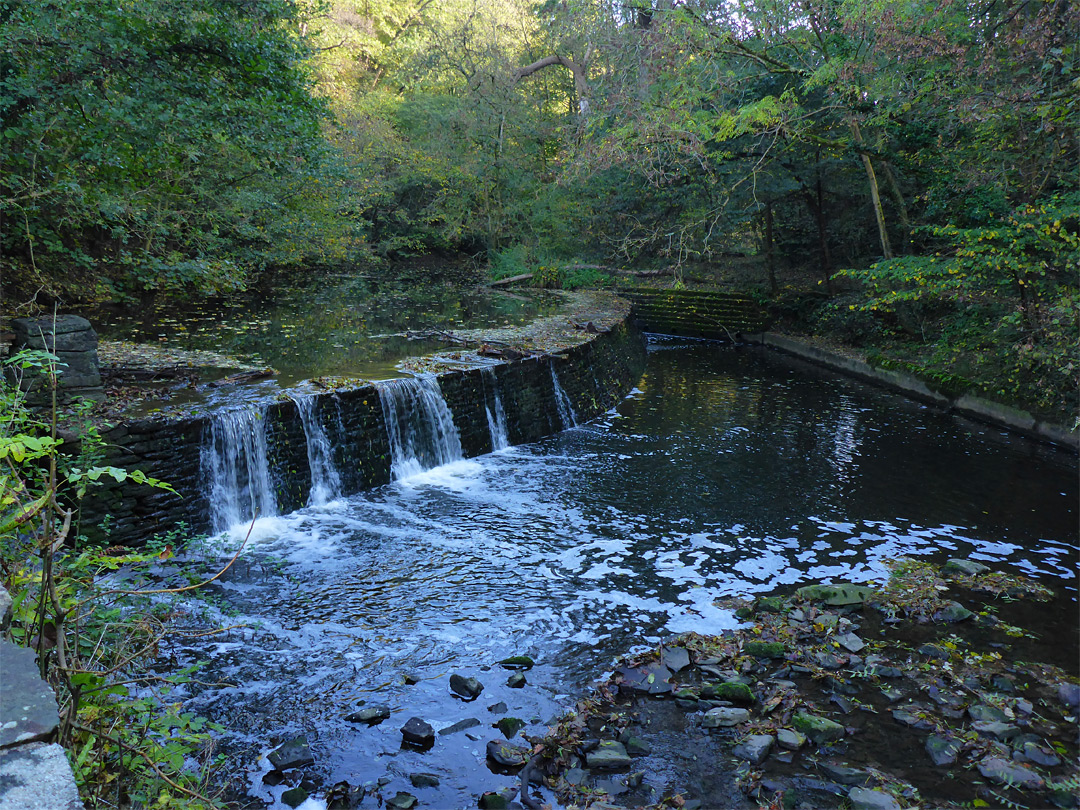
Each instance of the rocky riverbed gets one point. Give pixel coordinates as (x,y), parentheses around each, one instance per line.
(921,693)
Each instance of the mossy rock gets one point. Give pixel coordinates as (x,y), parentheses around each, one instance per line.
(769,604)
(764,649)
(839,595)
(729,690)
(818,729)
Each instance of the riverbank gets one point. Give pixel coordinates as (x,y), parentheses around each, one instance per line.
(918,693)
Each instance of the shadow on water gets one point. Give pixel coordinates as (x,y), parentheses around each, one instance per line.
(726,472)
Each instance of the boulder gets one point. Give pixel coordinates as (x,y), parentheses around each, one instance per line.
(838,595)
(755,748)
(296,753)
(609,755)
(465,688)
(724,717)
(417,732)
(867,799)
(729,690)
(1007,773)
(967,567)
(372,715)
(818,729)
(943,751)
(790,739)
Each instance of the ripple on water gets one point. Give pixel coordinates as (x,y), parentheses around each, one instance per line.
(724,473)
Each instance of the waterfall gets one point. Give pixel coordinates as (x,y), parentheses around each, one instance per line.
(562,402)
(500,435)
(325,481)
(419,426)
(236,468)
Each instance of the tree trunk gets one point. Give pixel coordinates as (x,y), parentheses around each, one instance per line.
(875,195)
(770,256)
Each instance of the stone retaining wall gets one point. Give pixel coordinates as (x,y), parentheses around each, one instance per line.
(696,313)
(984,410)
(595,375)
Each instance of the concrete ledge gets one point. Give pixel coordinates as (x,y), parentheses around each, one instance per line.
(968,405)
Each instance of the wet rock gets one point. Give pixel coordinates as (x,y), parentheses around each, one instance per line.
(343,796)
(411,678)
(882,671)
(835,595)
(934,653)
(724,717)
(839,685)
(818,729)
(372,715)
(294,797)
(755,748)
(401,801)
(913,717)
(866,799)
(851,642)
(636,747)
(892,694)
(769,604)
(609,755)
(517,662)
(635,779)
(493,801)
(764,649)
(510,726)
(460,725)
(827,660)
(1064,798)
(1069,694)
(987,713)
(498,708)
(675,658)
(296,753)
(843,774)
(516,681)
(845,705)
(790,739)
(273,778)
(424,780)
(1002,683)
(506,755)
(999,731)
(1040,754)
(576,776)
(968,567)
(417,732)
(729,690)
(652,679)
(1006,773)
(942,750)
(952,612)
(466,688)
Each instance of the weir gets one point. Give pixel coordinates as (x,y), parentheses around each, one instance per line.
(419,426)
(236,464)
(306,449)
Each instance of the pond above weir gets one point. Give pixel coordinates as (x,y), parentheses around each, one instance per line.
(726,472)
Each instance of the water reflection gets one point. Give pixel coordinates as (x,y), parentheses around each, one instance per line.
(322,325)
(725,473)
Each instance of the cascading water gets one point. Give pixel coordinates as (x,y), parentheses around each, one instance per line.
(325,480)
(562,402)
(500,434)
(236,468)
(419,425)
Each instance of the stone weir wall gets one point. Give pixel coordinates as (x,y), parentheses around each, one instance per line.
(595,375)
(696,313)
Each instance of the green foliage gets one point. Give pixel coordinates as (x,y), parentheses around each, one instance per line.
(158,145)
(128,745)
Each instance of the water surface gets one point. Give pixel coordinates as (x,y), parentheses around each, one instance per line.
(726,472)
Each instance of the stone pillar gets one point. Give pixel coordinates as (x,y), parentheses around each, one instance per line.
(75,342)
